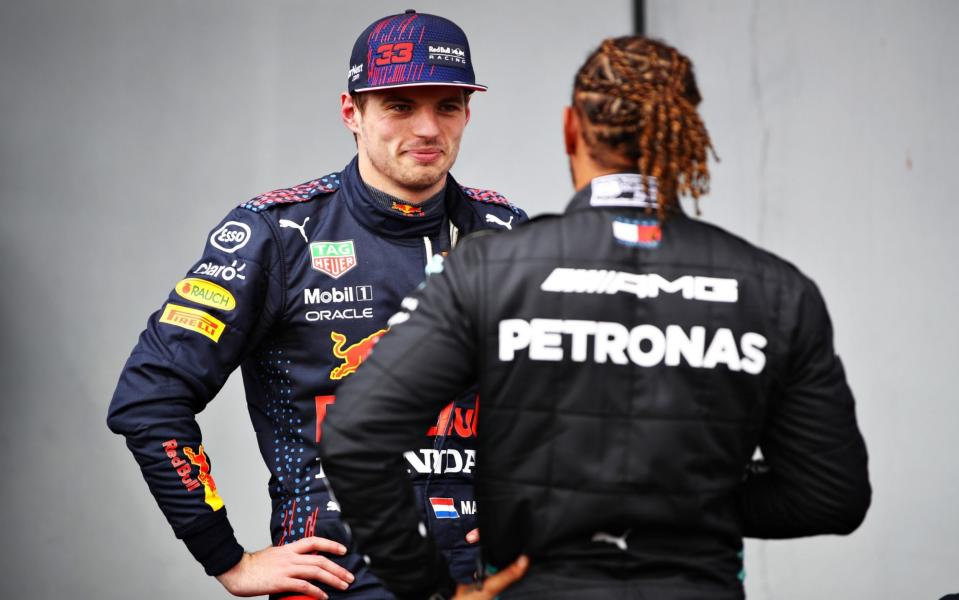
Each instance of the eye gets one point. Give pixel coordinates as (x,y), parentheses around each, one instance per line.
(450,107)
(399,107)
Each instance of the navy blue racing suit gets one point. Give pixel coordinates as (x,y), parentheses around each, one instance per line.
(295,287)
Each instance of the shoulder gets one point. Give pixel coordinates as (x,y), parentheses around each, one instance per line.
(709,244)
(491,198)
(726,243)
(538,236)
(303,192)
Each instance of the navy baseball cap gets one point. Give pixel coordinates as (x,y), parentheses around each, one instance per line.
(411,49)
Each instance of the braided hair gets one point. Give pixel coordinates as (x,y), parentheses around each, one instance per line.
(637,99)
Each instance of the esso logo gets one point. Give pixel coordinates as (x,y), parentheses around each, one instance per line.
(231,237)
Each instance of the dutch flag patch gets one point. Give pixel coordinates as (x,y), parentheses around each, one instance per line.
(443,508)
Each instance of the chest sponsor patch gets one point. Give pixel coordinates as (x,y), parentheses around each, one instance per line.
(333,258)
(439,462)
(444,508)
(356,293)
(642,233)
(352,355)
(338,314)
(193,320)
(206,293)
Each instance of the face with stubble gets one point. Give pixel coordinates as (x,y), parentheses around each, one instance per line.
(407,138)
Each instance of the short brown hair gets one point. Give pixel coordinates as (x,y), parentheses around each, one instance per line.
(359,100)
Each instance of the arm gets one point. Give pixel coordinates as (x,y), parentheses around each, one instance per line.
(428,356)
(211,321)
(818,481)
(181,361)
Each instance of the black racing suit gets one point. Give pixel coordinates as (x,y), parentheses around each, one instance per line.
(629,368)
(294,287)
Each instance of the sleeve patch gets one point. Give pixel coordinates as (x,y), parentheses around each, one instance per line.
(298,193)
(489,197)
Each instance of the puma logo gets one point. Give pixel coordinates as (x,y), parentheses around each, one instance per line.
(619,542)
(498,221)
(293,225)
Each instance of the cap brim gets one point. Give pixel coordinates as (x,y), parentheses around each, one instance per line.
(469,86)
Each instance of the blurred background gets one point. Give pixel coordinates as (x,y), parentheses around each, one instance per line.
(129,128)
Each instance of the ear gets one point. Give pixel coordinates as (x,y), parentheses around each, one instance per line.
(349,113)
(570,130)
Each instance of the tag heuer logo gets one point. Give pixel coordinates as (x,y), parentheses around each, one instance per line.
(333,258)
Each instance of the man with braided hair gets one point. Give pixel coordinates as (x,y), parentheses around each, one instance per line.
(631,360)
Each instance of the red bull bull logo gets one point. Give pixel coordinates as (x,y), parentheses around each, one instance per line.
(353,355)
(408,209)
(198,458)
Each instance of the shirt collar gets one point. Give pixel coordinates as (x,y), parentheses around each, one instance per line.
(390,216)
(616,190)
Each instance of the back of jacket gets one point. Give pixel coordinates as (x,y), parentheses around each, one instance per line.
(629,369)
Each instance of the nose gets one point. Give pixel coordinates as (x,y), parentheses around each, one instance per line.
(426,123)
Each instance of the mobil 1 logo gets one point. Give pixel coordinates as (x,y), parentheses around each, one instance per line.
(325,304)
(334,295)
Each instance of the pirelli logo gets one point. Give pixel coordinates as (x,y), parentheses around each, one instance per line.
(194,320)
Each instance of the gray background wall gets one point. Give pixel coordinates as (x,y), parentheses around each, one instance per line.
(130,127)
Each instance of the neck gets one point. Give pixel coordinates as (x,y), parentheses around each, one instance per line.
(373,177)
(584,171)
(580,180)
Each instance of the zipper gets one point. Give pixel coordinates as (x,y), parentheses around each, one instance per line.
(429,249)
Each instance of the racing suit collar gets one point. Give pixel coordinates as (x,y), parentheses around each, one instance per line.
(623,190)
(401,221)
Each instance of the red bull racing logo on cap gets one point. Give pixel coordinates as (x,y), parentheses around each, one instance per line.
(353,355)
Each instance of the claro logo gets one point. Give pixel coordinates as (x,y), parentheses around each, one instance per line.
(643,345)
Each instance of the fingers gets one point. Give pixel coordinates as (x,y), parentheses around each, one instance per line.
(311,573)
(335,573)
(303,587)
(316,544)
(502,580)
(473,536)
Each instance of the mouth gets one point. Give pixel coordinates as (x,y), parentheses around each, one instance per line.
(425,155)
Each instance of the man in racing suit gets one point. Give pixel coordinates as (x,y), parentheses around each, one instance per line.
(631,360)
(295,286)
